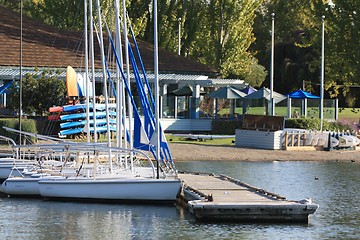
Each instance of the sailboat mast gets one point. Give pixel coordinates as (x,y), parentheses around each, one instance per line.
(86,72)
(92,59)
(130,110)
(104,81)
(20,80)
(156,89)
(119,85)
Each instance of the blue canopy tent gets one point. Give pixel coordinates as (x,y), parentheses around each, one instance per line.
(300,94)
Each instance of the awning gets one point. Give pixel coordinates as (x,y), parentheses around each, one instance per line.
(227,93)
(300,94)
(264,93)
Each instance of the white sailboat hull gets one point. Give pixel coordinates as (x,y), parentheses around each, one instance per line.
(7,169)
(22,186)
(111,189)
(13,167)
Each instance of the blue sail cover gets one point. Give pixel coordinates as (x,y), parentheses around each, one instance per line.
(300,94)
(143,131)
(4,88)
(149,117)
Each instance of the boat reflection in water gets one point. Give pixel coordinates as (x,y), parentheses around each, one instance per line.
(334,189)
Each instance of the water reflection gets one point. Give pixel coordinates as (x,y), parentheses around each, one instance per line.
(37,219)
(334,186)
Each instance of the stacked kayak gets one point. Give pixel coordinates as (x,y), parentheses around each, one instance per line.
(73,118)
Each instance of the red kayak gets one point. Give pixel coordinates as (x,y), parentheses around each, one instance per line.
(54,117)
(56,109)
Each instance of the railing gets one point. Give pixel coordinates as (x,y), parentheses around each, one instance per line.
(293,139)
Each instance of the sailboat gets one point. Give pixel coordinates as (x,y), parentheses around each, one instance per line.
(85,175)
(125,179)
(20,174)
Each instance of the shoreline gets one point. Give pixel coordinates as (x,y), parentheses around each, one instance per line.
(182,152)
(193,152)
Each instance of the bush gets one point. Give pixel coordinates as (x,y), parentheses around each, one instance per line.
(314,124)
(303,123)
(27,125)
(225,126)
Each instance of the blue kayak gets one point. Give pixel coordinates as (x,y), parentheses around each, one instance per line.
(100,129)
(83,122)
(78,107)
(83,115)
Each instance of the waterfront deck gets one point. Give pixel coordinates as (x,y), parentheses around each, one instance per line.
(222,198)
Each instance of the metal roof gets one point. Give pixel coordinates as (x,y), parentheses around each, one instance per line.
(164,78)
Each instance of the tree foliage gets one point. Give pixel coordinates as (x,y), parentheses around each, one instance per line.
(296,60)
(235,36)
(39,92)
(342,36)
(216,33)
(298,26)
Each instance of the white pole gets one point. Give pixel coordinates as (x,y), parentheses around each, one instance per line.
(20,80)
(179,53)
(322,74)
(92,60)
(128,80)
(179,36)
(104,81)
(156,87)
(289,107)
(118,78)
(272,102)
(86,73)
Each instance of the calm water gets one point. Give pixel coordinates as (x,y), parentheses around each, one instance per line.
(336,190)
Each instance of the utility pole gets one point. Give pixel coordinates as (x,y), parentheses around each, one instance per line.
(272,102)
(20,80)
(179,36)
(322,74)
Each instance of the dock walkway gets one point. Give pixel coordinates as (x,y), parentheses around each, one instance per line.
(211,197)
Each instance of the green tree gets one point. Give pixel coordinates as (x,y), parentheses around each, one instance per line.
(39,92)
(60,13)
(63,13)
(255,73)
(298,26)
(216,33)
(227,36)
(342,21)
(296,59)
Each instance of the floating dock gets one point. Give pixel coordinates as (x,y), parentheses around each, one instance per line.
(221,198)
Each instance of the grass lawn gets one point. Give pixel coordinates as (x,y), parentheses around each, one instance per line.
(313,112)
(349,113)
(219,142)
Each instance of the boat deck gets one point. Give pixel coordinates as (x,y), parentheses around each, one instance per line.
(214,198)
